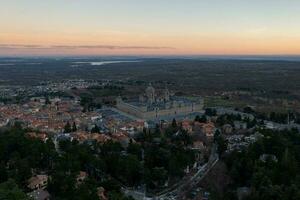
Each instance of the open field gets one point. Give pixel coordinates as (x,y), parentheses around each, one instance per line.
(182,73)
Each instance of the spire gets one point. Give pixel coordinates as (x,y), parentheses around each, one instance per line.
(166,94)
(150,93)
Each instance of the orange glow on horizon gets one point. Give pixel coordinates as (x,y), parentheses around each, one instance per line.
(173,45)
(186,28)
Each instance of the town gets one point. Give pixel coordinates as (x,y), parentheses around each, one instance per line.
(198,136)
(149,100)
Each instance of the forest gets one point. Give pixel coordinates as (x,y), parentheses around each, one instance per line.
(152,160)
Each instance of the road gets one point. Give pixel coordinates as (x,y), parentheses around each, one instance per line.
(179,190)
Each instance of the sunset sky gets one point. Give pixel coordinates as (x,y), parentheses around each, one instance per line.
(144,27)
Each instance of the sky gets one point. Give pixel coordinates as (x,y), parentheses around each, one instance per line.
(144,27)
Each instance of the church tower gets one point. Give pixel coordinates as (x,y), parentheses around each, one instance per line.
(150,93)
(166,94)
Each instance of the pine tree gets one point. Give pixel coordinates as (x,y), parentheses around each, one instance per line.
(95,129)
(68,128)
(47,101)
(74,127)
(174,123)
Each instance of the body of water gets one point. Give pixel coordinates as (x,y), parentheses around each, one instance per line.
(103,62)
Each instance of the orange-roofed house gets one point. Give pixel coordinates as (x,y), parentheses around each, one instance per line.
(38,182)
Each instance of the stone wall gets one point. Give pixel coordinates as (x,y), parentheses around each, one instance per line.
(172,112)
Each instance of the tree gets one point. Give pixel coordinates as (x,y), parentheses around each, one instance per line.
(3,172)
(62,184)
(10,191)
(222,144)
(86,191)
(182,138)
(210,112)
(74,127)
(201,119)
(47,100)
(197,118)
(95,129)
(217,134)
(98,105)
(135,149)
(175,167)
(117,196)
(68,128)
(130,170)
(174,123)
(251,123)
(156,177)
(248,109)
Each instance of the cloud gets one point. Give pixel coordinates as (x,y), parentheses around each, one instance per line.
(109,47)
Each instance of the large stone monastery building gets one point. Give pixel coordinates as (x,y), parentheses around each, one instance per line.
(154,106)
